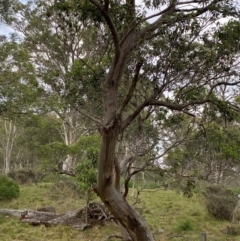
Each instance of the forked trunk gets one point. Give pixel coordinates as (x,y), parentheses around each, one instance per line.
(115,202)
(108,182)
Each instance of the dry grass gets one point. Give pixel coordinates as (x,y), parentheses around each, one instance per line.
(169,215)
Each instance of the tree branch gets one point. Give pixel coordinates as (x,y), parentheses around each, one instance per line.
(175,106)
(106,5)
(132,116)
(169,11)
(130,176)
(104,10)
(131,89)
(91,117)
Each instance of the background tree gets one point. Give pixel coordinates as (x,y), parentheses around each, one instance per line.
(55,48)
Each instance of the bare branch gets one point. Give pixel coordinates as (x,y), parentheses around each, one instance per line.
(131,89)
(189,2)
(91,117)
(131,117)
(124,162)
(109,23)
(130,176)
(165,11)
(175,106)
(169,11)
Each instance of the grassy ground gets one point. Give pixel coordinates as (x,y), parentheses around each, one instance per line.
(169,215)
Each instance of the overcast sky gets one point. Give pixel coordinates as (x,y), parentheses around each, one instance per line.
(4,29)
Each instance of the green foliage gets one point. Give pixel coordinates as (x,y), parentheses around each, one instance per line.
(184,225)
(228,36)
(181,59)
(2,219)
(86,169)
(18,85)
(233,229)
(40,141)
(86,174)
(86,146)
(84,82)
(9,189)
(188,188)
(210,146)
(26,176)
(220,202)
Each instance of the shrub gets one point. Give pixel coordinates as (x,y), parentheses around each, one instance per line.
(9,189)
(220,202)
(233,229)
(26,176)
(184,225)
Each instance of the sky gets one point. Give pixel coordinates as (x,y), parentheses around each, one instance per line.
(4,29)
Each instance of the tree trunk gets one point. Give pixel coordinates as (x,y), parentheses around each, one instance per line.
(10,130)
(108,182)
(87,206)
(114,201)
(70,136)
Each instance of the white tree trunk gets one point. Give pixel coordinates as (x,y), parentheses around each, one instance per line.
(70,136)
(10,130)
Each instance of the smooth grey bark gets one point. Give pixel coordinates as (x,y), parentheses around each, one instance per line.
(112,198)
(10,129)
(69,127)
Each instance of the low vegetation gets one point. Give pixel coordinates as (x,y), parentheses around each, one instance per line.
(9,189)
(220,202)
(170,215)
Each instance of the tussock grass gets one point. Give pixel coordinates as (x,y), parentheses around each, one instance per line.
(169,215)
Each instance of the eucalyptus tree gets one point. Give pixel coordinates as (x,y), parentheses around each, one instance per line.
(57,49)
(38,144)
(19,91)
(174,63)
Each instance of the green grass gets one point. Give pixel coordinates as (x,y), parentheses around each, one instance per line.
(178,218)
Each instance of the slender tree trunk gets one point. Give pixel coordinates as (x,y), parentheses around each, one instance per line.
(10,130)
(70,136)
(87,204)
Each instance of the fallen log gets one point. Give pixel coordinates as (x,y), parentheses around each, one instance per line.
(12,212)
(96,214)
